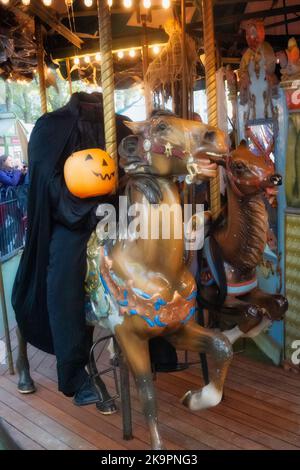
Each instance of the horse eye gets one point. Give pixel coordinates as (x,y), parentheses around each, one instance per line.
(88,157)
(239,166)
(162,126)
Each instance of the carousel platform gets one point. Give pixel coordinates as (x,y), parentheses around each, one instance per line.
(261,410)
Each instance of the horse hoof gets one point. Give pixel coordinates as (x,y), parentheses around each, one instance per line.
(26,387)
(208,397)
(108,408)
(185,400)
(159,446)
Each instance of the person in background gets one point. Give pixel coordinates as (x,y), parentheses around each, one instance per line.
(9,175)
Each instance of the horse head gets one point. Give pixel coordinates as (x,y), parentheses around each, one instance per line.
(250,174)
(165,145)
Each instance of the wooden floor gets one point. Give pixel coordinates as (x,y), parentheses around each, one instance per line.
(261,410)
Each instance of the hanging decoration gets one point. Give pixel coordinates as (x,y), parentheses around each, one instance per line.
(165,71)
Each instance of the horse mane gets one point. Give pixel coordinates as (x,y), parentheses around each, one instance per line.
(146,184)
(162,112)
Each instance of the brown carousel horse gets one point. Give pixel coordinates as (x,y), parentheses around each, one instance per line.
(140,287)
(240,240)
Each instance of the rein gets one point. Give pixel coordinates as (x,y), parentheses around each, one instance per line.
(265,152)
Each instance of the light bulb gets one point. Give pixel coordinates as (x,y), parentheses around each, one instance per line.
(120,54)
(26,2)
(88,3)
(147,4)
(132,53)
(87,59)
(5,2)
(76,61)
(127,3)
(110,3)
(47,3)
(98,57)
(166,4)
(156,49)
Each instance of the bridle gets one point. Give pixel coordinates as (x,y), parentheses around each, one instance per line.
(264,152)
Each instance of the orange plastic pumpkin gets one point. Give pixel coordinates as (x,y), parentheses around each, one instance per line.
(89,173)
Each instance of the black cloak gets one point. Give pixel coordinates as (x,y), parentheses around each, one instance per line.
(55,136)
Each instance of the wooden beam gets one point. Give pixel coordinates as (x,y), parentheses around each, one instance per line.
(120,42)
(227,20)
(38,9)
(257,14)
(234,2)
(280,23)
(118,11)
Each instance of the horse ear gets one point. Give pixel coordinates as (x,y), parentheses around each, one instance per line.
(136,127)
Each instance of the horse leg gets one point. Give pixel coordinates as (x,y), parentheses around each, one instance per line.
(275,304)
(25,383)
(193,337)
(247,315)
(136,351)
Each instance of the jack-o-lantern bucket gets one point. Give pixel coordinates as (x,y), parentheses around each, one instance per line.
(90,173)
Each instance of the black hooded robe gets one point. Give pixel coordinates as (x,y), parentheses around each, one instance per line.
(48,294)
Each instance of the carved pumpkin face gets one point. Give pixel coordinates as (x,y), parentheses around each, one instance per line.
(90,173)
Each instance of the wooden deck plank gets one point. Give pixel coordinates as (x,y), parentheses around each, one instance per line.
(261,410)
(173,438)
(202,438)
(21,440)
(258,408)
(272,372)
(264,433)
(261,392)
(30,429)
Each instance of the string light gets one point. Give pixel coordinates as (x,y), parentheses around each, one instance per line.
(166,4)
(120,54)
(147,4)
(47,3)
(26,2)
(76,61)
(98,57)
(132,53)
(127,3)
(88,3)
(87,59)
(156,49)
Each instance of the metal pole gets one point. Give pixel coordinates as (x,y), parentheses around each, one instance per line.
(107,81)
(69,75)
(184,107)
(211,92)
(40,62)
(145,56)
(6,325)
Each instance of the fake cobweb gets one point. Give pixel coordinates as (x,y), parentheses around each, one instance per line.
(167,68)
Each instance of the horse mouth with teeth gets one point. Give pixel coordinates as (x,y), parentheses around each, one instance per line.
(166,145)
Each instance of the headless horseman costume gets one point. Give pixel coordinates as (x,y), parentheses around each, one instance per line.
(48,295)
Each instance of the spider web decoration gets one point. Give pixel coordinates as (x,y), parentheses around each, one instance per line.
(167,68)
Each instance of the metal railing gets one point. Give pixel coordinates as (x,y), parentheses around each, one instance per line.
(13,220)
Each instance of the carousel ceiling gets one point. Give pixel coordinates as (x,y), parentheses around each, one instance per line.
(71,30)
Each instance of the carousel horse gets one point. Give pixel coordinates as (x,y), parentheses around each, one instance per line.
(140,288)
(239,242)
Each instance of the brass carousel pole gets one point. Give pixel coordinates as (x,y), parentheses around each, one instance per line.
(145,57)
(211,91)
(107,81)
(40,63)
(69,76)
(184,94)
(108,88)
